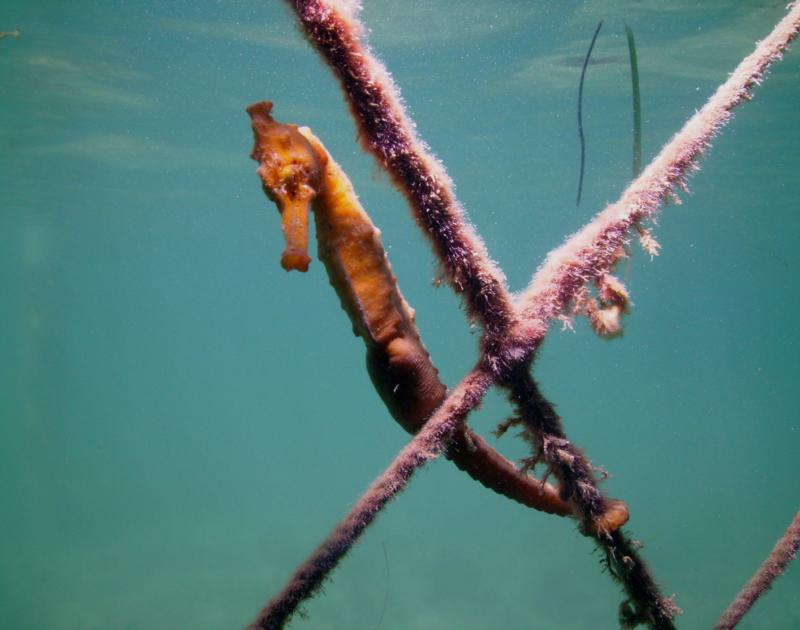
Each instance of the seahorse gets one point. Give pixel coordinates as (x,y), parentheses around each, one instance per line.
(297,172)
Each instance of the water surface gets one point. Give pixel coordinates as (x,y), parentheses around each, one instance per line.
(181,421)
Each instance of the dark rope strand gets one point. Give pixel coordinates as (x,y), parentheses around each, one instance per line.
(645,602)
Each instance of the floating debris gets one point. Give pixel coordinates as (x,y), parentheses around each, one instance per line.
(580,111)
(637,103)
(15,33)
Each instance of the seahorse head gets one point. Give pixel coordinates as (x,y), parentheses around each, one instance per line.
(291,174)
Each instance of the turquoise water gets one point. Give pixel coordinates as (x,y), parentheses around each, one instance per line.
(181,421)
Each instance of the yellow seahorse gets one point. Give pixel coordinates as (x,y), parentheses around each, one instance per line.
(297,172)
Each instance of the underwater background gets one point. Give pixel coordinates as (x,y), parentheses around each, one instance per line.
(181,421)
